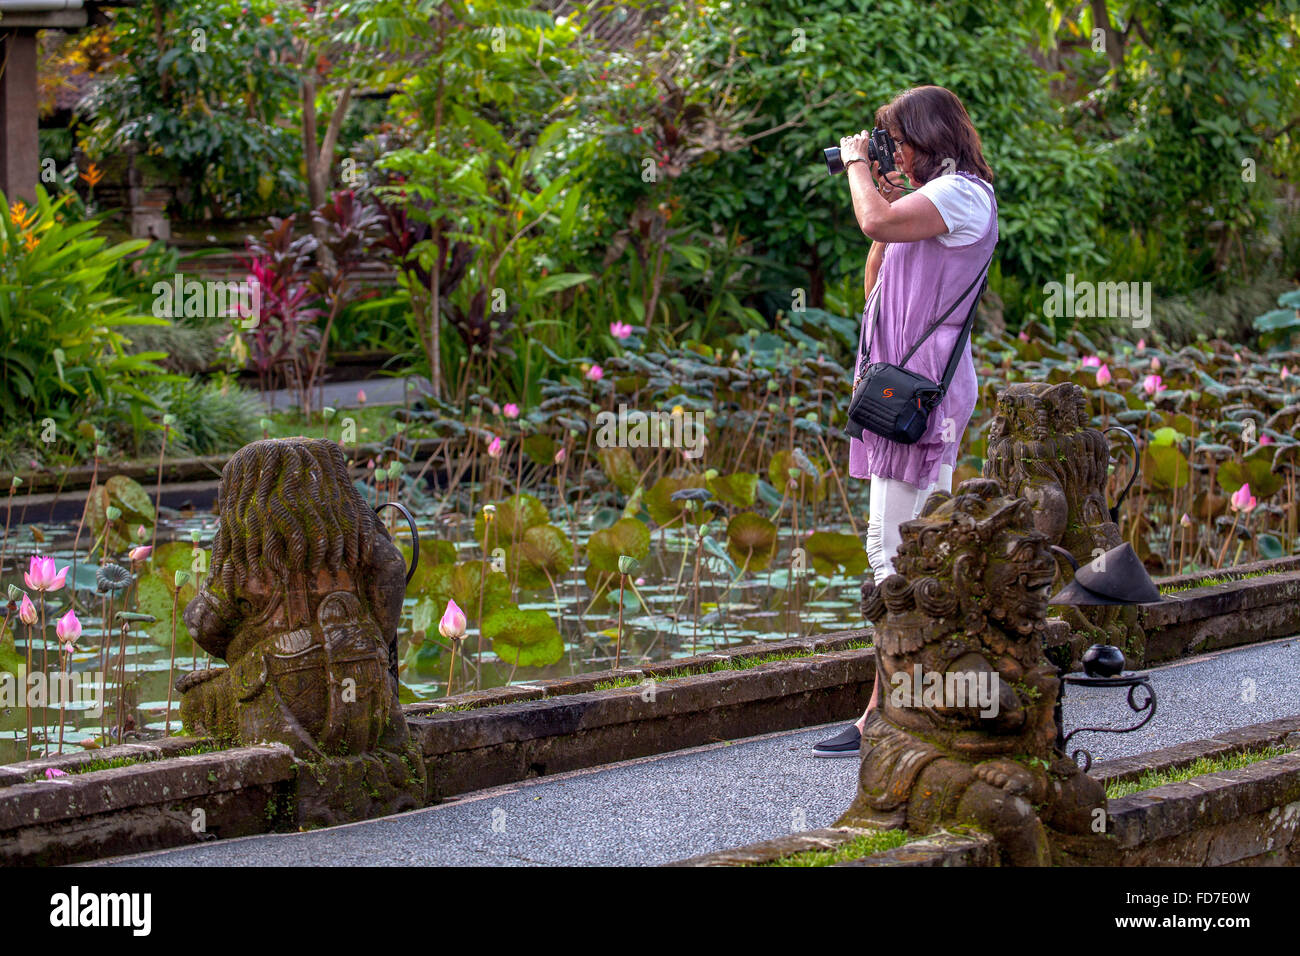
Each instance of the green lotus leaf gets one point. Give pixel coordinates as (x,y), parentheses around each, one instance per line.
(544,550)
(460,582)
(831,551)
(524,638)
(514,516)
(1257,469)
(627,536)
(661,507)
(620,468)
(751,540)
(1165,466)
(739,489)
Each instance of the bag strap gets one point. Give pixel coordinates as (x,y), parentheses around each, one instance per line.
(864,342)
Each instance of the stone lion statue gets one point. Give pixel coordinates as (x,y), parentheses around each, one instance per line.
(302,602)
(1043,448)
(966,609)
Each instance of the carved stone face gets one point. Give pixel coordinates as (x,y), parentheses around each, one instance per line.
(1042,448)
(1019,580)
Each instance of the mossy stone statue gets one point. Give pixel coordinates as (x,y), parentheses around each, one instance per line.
(303,601)
(968,603)
(1042,448)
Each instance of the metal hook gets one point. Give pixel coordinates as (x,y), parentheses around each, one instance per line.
(415,535)
(1114,510)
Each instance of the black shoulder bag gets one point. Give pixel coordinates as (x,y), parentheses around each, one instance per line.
(894,403)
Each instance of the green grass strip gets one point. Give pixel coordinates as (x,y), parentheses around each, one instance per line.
(1204,765)
(855,849)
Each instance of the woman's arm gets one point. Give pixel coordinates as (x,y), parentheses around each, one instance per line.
(874,260)
(910,219)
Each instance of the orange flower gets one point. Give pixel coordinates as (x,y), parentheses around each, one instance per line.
(92,175)
(19,216)
(30,241)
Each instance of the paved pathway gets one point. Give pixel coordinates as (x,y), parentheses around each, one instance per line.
(664,808)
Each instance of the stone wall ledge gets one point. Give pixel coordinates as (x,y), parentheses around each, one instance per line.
(79,796)
(145,750)
(1199,804)
(455,731)
(1285,731)
(942,848)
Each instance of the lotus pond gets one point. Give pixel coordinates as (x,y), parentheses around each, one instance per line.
(567,556)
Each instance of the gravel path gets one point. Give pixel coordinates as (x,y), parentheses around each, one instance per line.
(658,809)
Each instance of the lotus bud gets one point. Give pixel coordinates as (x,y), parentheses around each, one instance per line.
(453,623)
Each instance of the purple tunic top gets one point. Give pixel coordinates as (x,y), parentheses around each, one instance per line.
(917,282)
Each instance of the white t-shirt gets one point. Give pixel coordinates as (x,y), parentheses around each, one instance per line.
(964,206)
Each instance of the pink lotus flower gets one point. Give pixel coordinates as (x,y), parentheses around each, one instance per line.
(68,629)
(27,611)
(453,623)
(620,330)
(1242,499)
(361,396)
(1155,363)
(140,553)
(511,410)
(494,447)
(1285,373)
(1090,361)
(1024,336)
(560,456)
(1236,357)
(1103,375)
(595,373)
(1152,384)
(52,772)
(1265,439)
(1142,343)
(40,575)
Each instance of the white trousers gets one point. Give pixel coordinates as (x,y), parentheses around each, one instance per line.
(892,503)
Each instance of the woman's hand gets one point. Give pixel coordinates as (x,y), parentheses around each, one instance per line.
(887,190)
(854,147)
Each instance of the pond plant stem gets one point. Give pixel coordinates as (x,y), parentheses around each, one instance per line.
(618,640)
(171,665)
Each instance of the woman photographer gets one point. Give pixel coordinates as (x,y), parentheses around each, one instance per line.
(929,243)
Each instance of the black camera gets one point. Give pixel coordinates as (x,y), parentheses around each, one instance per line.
(880,149)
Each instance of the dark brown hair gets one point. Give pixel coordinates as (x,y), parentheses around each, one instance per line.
(933,121)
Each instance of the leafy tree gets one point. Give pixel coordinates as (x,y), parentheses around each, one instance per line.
(202,90)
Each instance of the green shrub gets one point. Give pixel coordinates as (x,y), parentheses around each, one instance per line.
(64,329)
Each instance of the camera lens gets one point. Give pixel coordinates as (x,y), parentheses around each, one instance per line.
(833,162)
